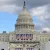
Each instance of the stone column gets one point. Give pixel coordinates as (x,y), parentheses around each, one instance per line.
(24,48)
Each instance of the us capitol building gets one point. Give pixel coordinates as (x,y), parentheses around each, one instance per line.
(24,37)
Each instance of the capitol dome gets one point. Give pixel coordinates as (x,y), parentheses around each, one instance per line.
(24,20)
(24,13)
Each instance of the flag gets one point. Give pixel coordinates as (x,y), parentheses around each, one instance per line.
(24,36)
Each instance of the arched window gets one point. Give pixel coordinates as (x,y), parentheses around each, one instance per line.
(29,49)
(18,49)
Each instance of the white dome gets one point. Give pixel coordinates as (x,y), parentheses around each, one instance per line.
(24,13)
(24,21)
(24,17)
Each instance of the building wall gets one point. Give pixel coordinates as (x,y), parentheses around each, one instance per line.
(11,37)
(43,38)
(4,37)
(4,45)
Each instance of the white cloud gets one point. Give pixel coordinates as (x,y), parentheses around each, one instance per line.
(10,8)
(43,16)
(39,12)
(42,13)
(46,29)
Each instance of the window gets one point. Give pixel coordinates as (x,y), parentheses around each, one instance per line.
(21,34)
(20,45)
(27,45)
(21,39)
(26,39)
(30,39)
(29,49)
(17,39)
(18,49)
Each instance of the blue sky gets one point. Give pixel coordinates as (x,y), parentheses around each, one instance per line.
(8,20)
(10,8)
